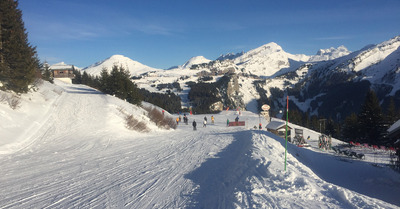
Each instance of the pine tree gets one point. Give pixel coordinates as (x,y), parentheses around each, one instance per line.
(351,128)
(18,60)
(46,74)
(104,81)
(78,77)
(118,83)
(85,79)
(391,113)
(371,119)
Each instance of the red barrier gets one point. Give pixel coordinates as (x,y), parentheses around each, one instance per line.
(239,123)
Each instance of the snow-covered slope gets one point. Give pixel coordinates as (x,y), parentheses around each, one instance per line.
(195,61)
(134,67)
(379,64)
(329,54)
(267,60)
(374,66)
(77,153)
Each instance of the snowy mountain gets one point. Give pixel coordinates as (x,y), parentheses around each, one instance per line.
(318,87)
(264,73)
(67,146)
(194,61)
(329,54)
(229,56)
(267,60)
(134,67)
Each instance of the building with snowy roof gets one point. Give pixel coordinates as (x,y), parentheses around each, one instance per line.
(62,70)
(279,128)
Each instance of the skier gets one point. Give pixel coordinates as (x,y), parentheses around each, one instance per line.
(227,122)
(194,125)
(205,118)
(212,119)
(177,121)
(237,120)
(204,123)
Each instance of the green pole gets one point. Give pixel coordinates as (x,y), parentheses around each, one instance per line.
(287,118)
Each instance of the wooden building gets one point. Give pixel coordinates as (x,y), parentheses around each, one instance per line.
(279,128)
(62,70)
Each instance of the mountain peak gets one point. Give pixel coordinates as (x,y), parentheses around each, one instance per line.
(329,54)
(127,63)
(195,61)
(269,48)
(117,56)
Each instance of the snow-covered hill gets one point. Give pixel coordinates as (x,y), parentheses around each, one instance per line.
(318,87)
(267,60)
(195,61)
(329,54)
(134,67)
(67,146)
(279,70)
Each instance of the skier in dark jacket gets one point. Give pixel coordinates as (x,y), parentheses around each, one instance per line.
(194,125)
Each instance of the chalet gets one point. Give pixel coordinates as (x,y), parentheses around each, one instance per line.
(279,128)
(62,70)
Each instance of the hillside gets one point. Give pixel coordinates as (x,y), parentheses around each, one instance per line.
(315,83)
(319,87)
(134,67)
(67,147)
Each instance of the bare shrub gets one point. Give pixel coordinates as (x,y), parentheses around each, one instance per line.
(134,124)
(3,97)
(14,102)
(160,119)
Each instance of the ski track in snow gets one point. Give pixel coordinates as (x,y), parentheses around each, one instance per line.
(77,157)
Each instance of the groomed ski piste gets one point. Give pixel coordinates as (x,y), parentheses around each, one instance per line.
(67,146)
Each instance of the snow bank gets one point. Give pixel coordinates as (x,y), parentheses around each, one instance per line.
(67,147)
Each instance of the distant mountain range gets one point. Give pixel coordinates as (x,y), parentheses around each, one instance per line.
(331,83)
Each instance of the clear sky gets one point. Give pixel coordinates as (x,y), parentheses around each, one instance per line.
(164,33)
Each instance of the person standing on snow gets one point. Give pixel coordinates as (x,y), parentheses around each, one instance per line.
(194,125)
(204,123)
(227,122)
(212,119)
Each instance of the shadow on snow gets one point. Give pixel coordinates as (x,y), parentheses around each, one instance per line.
(218,177)
(353,174)
(77,90)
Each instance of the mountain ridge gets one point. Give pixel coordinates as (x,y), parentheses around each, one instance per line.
(305,77)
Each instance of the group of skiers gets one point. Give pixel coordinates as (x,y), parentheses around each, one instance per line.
(194,124)
(325,142)
(179,119)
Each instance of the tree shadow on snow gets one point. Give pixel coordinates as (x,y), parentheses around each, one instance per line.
(218,177)
(78,90)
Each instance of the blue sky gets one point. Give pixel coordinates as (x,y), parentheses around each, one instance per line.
(164,33)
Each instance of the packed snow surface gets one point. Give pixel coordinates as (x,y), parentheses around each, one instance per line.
(67,146)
